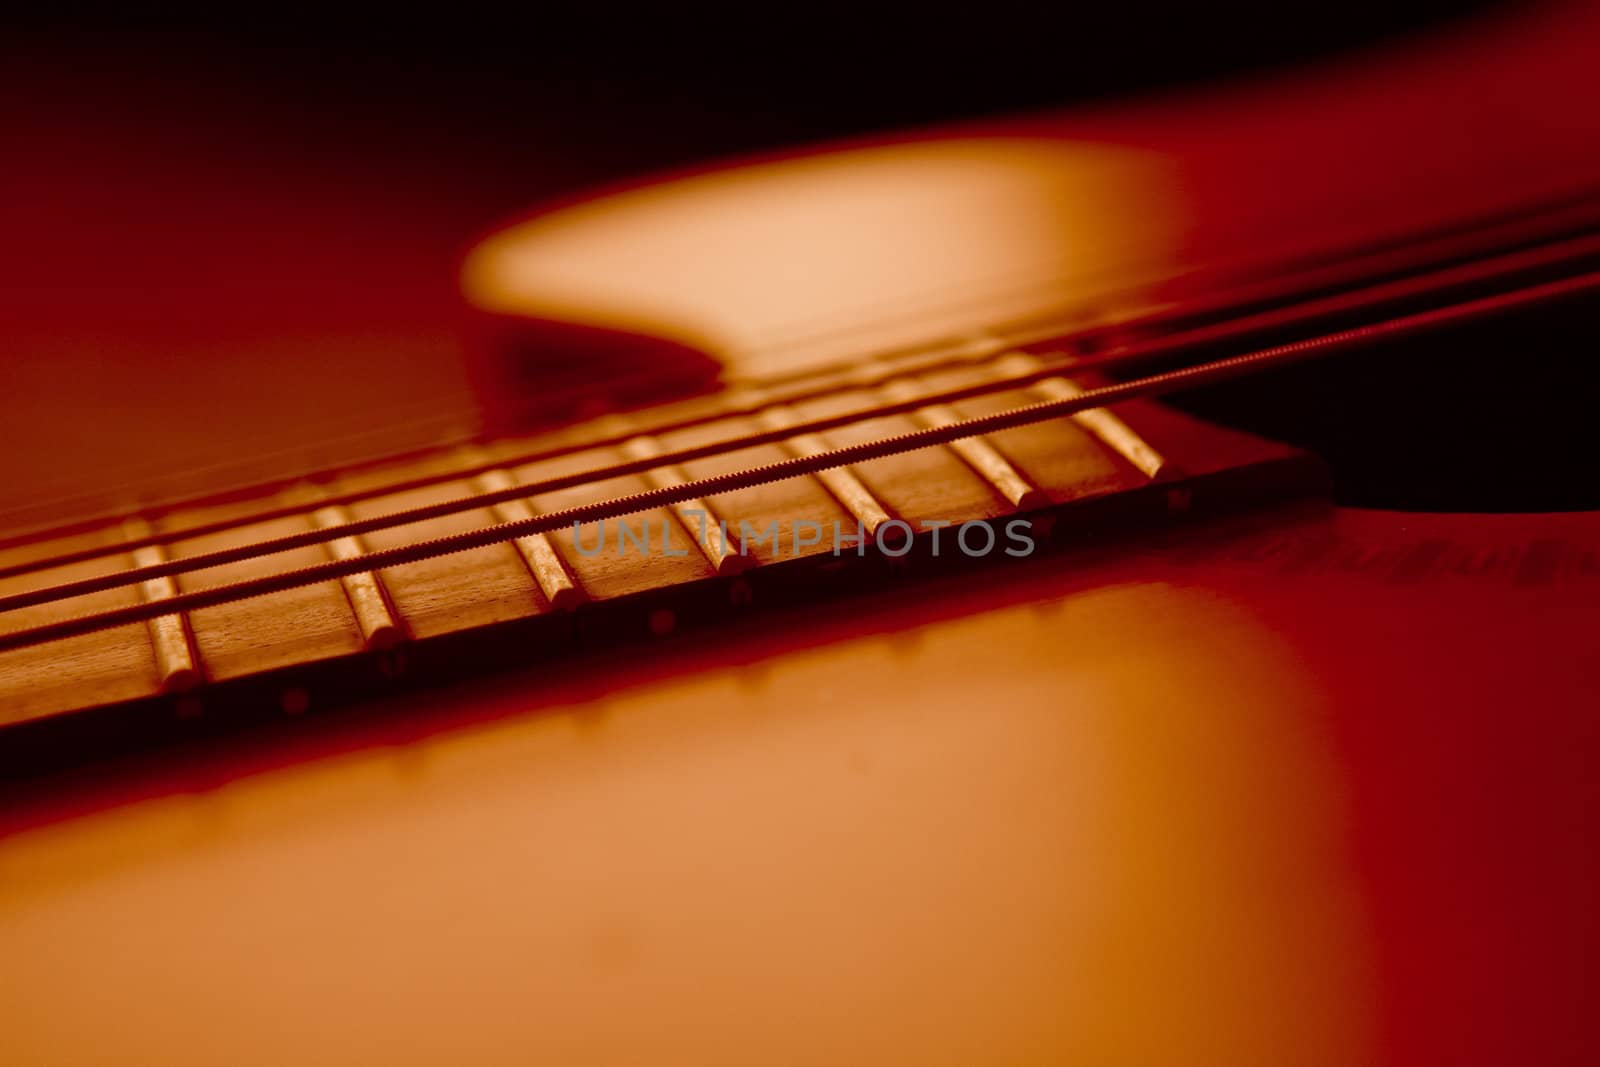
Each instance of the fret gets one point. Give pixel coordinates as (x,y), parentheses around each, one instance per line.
(99,668)
(924,485)
(379,628)
(540,556)
(700,521)
(479,587)
(976,452)
(1060,456)
(793,508)
(842,482)
(1110,429)
(283,629)
(170,638)
(638,553)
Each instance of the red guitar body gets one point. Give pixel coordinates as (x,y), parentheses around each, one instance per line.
(1306,786)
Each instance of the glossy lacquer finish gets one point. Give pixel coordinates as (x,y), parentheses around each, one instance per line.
(1303,787)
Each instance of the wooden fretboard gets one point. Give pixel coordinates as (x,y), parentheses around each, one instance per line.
(300,648)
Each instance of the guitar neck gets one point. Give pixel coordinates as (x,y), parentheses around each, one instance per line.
(261,600)
(973,501)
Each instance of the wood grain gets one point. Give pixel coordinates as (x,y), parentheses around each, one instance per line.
(1056,464)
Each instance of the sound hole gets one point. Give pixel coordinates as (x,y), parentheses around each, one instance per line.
(1495,416)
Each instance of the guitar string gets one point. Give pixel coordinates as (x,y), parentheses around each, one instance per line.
(449,427)
(964,352)
(1202,374)
(1129,353)
(1584,211)
(1546,222)
(522,491)
(545,451)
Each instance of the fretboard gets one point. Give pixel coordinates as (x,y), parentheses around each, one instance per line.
(974,501)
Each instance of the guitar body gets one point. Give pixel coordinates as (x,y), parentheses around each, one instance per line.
(1292,794)
(1303,783)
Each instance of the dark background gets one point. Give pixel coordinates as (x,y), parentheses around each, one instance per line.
(627,92)
(334,125)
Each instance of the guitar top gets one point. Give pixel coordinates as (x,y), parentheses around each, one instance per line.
(791,613)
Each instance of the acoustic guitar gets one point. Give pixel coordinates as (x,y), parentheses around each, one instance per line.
(887,605)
